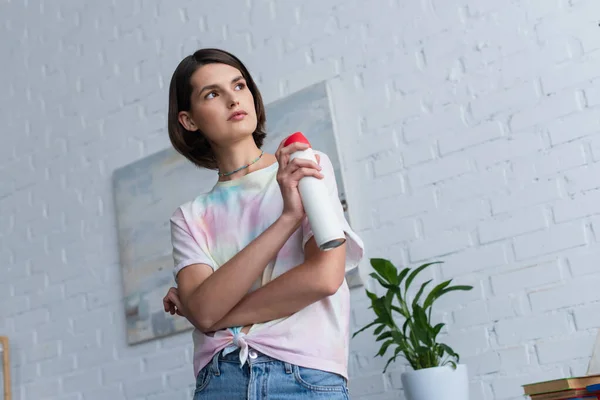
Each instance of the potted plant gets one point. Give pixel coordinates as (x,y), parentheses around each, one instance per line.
(436,372)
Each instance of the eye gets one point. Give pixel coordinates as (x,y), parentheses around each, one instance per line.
(240,86)
(211,95)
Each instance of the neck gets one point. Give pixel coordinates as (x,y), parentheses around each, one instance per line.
(236,155)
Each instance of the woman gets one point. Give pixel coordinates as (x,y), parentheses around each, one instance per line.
(270,310)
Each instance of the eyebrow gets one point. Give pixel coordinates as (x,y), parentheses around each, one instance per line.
(215,86)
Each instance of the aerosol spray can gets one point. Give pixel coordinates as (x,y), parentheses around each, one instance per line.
(322,217)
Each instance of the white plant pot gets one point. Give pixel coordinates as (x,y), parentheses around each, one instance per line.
(438,383)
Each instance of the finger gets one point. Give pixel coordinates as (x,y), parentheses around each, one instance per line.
(167,298)
(304,163)
(176,301)
(281,145)
(173,293)
(283,153)
(283,160)
(177,310)
(169,302)
(303,172)
(318,157)
(279,148)
(293,147)
(297,164)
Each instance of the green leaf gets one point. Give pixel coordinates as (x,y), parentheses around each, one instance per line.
(377,321)
(398,310)
(381,310)
(382,313)
(435,293)
(398,337)
(449,350)
(421,327)
(420,292)
(389,297)
(414,274)
(452,364)
(405,326)
(462,287)
(379,329)
(451,289)
(371,295)
(381,281)
(384,335)
(384,348)
(419,316)
(386,269)
(401,312)
(458,287)
(393,358)
(402,274)
(440,351)
(364,328)
(437,329)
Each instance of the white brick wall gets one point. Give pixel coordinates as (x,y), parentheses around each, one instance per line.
(480,146)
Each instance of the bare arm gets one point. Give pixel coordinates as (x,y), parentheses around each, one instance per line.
(319,276)
(223,289)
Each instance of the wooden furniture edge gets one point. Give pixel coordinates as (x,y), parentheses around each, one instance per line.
(5,367)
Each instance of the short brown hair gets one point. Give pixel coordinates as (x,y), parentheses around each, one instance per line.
(193,145)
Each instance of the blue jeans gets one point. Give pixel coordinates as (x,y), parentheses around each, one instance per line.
(263,377)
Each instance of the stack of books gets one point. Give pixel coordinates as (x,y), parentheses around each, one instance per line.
(576,388)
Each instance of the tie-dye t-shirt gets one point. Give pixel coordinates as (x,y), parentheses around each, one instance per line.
(215,226)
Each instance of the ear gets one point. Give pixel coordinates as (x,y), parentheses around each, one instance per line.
(186,120)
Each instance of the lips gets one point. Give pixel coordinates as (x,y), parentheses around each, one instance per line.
(237,115)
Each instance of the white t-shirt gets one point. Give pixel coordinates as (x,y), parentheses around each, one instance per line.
(217,225)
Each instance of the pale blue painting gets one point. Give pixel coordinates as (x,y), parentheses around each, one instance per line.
(149,190)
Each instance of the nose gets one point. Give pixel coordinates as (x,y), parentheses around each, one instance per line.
(233,100)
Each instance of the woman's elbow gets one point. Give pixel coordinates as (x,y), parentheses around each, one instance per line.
(201,321)
(332,282)
(205,326)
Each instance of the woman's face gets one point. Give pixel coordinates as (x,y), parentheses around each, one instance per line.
(222,106)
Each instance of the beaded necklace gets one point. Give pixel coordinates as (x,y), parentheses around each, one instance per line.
(241,168)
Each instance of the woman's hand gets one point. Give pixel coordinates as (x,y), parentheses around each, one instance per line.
(289,175)
(172,303)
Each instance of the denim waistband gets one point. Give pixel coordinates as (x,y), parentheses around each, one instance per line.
(254,357)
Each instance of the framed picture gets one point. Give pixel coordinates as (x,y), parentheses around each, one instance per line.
(4,368)
(149,190)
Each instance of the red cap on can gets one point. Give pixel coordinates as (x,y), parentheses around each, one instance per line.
(296,137)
